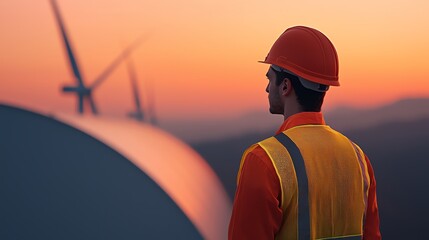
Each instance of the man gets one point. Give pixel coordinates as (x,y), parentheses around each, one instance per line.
(308,181)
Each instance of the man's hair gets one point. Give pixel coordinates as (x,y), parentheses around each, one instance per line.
(310,101)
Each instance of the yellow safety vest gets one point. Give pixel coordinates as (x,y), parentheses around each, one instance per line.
(324,182)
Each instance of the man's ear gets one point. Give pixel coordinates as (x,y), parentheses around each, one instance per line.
(286,87)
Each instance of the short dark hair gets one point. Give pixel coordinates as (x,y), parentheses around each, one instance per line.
(310,101)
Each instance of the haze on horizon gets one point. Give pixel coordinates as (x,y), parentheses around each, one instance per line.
(201,57)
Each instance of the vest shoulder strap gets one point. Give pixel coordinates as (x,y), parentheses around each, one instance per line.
(284,167)
(303,205)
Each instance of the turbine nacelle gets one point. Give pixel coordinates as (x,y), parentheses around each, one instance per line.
(139,116)
(80,90)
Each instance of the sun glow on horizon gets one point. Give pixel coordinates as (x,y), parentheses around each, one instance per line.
(200,58)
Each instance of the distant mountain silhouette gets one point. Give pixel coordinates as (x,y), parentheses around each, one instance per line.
(396,148)
(348,118)
(193,131)
(343,118)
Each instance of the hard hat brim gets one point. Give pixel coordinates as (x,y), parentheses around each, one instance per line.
(304,75)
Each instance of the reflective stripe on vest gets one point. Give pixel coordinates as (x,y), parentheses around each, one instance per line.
(303,206)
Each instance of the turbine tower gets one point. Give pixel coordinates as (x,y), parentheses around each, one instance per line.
(151,106)
(139,113)
(84,92)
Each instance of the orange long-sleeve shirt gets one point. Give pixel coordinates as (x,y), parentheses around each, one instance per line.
(256,211)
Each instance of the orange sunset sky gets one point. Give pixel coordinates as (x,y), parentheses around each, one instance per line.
(200,57)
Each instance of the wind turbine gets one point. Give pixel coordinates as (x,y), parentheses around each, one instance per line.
(84,92)
(139,113)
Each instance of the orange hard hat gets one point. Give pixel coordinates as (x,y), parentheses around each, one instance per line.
(307,53)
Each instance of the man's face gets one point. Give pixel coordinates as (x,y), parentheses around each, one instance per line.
(276,104)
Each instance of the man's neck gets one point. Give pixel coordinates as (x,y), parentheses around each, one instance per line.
(291,111)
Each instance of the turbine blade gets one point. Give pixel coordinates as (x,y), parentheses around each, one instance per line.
(116,62)
(80,103)
(92,103)
(72,59)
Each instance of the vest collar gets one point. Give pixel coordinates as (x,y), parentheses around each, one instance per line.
(302,118)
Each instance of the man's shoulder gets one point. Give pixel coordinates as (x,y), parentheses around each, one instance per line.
(255,150)
(257,153)
(260,150)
